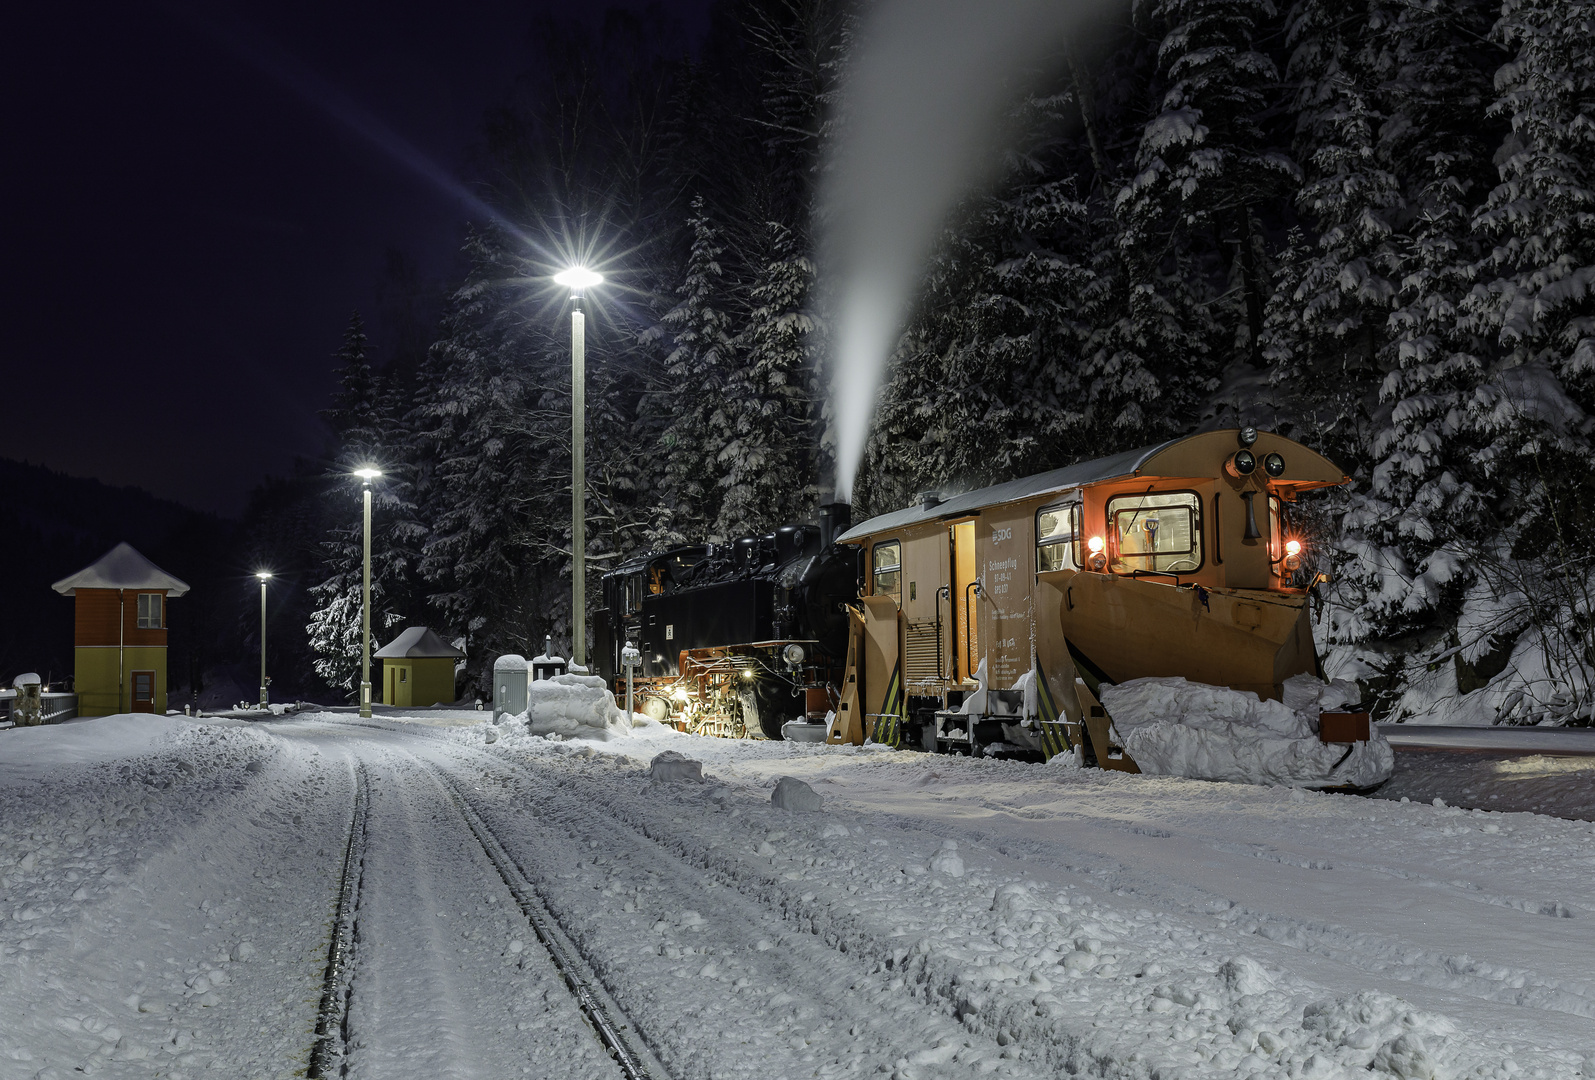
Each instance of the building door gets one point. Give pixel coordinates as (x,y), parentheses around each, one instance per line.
(144,691)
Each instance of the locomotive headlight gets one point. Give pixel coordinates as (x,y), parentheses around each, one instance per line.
(747,674)
(794,655)
(1292,554)
(1274,465)
(1098,558)
(1247,436)
(1241,463)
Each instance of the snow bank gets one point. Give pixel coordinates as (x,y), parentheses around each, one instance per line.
(793,794)
(574,706)
(671,767)
(1172,727)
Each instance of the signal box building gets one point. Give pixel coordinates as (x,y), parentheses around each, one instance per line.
(417,669)
(120,633)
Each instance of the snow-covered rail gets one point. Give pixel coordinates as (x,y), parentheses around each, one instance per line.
(326,1055)
(596,1004)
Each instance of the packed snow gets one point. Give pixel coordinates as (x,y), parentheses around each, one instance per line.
(1172,727)
(168,885)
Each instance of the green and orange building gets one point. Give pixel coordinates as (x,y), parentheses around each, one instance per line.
(119,638)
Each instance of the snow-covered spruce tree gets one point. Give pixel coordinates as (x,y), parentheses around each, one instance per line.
(500,484)
(767,468)
(1415,522)
(1535,296)
(986,372)
(359,433)
(1325,323)
(1208,170)
(697,367)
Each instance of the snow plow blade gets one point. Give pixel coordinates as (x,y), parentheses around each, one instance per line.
(1121,628)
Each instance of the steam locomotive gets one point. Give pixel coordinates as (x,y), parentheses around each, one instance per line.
(738,637)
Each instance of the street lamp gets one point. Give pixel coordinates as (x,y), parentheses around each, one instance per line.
(264,576)
(366,475)
(577,279)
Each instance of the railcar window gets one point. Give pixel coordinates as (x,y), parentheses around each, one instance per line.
(888,564)
(1058,538)
(1156,532)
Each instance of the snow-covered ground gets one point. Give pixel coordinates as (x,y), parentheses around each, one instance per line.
(167,888)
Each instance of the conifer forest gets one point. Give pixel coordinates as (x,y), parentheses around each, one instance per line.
(1367,226)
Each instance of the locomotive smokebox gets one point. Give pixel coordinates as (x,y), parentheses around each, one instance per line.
(835,519)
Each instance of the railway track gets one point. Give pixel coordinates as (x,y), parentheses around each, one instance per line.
(599,1009)
(327,1057)
(329,1054)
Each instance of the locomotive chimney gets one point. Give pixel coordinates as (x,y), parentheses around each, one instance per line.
(835,519)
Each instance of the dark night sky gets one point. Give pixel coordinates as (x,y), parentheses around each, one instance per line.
(184,233)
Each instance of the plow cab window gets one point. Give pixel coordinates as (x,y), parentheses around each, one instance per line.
(1058,538)
(1160,532)
(887,560)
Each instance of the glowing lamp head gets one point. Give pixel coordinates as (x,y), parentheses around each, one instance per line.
(1097,557)
(368,473)
(681,694)
(578,278)
(1292,554)
(747,674)
(263,575)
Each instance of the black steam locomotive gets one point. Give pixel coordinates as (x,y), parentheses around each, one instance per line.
(737,637)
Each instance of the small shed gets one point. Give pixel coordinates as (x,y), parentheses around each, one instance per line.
(119,640)
(417,668)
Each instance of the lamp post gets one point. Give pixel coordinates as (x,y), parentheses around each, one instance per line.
(366,475)
(577,279)
(264,576)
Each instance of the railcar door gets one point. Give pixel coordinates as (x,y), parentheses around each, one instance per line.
(966,583)
(1007,544)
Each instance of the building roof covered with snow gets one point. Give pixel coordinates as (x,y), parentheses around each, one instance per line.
(121,568)
(417,643)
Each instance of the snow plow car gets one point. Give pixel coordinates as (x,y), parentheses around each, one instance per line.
(990,622)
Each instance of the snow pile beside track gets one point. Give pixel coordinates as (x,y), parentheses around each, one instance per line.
(1172,727)
(575,707)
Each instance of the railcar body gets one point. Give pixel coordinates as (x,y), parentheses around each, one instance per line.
(989,619)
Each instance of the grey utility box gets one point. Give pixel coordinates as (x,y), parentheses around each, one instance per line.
(509,685)
(548,665)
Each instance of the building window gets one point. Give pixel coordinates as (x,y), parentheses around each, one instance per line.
(1058,538)
(887,560)
(1161,532)
(149,611)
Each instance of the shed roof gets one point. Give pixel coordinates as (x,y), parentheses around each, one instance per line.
(1070,476)
(121,568)
(417,643)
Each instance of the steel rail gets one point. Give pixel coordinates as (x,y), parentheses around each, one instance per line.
(327,1053)
(545,926)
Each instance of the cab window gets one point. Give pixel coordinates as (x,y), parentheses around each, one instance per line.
(1160,532)
(887,561)
(1058,538)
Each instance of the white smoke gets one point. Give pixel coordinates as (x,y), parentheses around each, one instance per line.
(922,114)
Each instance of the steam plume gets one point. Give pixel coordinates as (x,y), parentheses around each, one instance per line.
(922,111)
